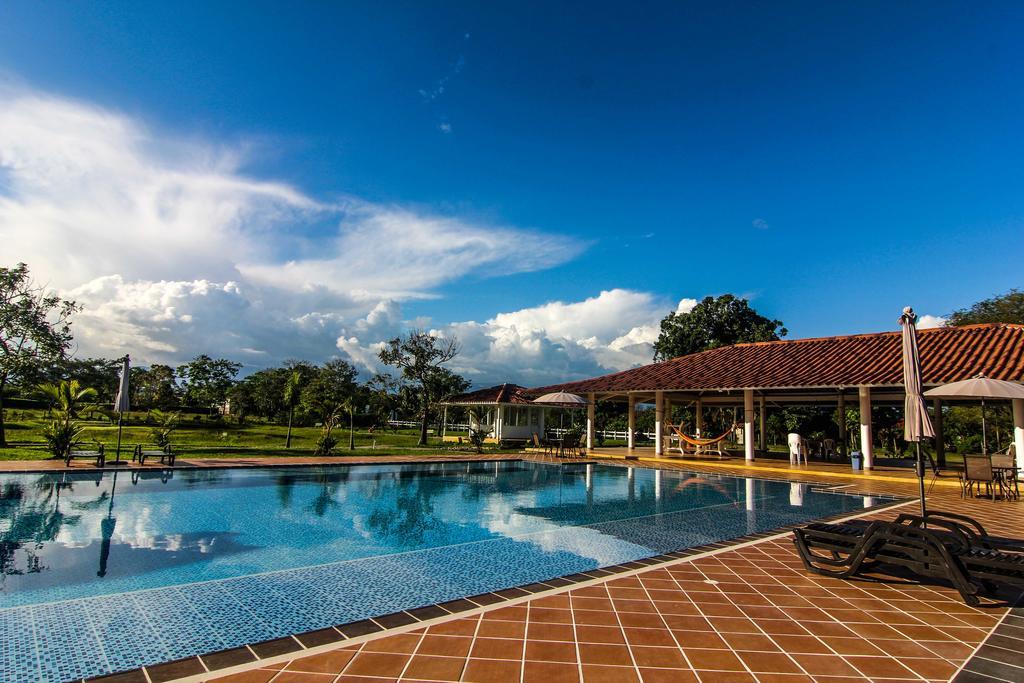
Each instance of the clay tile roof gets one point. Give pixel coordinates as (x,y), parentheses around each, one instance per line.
(503,393)
(947,354)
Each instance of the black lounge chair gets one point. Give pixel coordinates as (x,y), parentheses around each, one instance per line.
(96,456)
(166,455)
(938,520)
(855,548)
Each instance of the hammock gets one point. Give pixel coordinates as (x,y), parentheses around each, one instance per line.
(702,445)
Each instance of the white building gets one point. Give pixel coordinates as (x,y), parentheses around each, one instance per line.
(508,415)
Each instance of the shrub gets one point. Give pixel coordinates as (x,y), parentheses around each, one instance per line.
(165,424)
(60,436)
(325,445)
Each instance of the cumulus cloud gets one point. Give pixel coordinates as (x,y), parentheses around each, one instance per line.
(927,321)
(558,340)
(173,250)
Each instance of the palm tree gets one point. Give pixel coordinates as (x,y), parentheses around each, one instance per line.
(292,394)
(350,406)
(66,395)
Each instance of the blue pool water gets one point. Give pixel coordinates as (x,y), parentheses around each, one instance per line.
(203,560)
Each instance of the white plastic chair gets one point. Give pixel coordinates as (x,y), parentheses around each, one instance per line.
(796,449)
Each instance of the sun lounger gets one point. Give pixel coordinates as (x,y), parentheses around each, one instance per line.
(166,455)
(96,456)
(937,520)
(851,549)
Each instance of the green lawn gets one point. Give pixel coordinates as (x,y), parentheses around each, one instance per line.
(226,439)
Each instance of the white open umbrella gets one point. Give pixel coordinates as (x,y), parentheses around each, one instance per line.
(979,388)
(121,403)
(916,423)
(562,398)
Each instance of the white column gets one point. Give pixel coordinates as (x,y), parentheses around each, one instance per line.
(591,421)
(762,434)
(748,424)
(498,423)
(867,449)
(699,418)
(631,421)
(659,416)
(841,410)
(1018,430)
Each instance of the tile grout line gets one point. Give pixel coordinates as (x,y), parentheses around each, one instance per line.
(622,629)
(688,559)
(981,644)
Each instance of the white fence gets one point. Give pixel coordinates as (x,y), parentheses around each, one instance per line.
(453,427)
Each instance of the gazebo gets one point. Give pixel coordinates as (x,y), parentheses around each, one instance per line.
(831,371)
(508,413)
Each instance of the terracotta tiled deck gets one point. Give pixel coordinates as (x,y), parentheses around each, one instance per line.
(746,613)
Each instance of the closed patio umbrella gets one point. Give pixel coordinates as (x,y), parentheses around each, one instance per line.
(916,423)
(979,388)
(121,403)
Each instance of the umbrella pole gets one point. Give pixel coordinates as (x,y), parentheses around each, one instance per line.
(120,417)
(984,430)
(920,480)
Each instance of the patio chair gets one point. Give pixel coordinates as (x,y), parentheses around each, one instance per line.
(977,471)
(96,455)
(797,449)
(1005,466)
(851,549)
(166,455)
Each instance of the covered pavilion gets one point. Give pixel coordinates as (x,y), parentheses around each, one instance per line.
(826,371)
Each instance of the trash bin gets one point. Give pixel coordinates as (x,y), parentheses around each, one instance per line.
(855,460)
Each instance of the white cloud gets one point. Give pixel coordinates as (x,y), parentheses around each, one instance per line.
(612,331)
(760,224)
(174,251)
(927,321)
(686,305)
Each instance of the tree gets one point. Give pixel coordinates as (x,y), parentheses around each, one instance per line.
(292,394)
(1004,308)
(66,395)
(420,355)
(712,323)
(35,329)
(205,381)
(155,387)
(328,388)
(62,431)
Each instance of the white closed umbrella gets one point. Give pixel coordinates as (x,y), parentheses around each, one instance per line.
(979,388)
(121,403)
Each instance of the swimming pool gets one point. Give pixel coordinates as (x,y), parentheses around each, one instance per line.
(207,559)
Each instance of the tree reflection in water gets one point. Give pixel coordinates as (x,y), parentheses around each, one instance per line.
(32,518)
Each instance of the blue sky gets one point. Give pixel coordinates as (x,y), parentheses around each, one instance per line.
(832,161)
